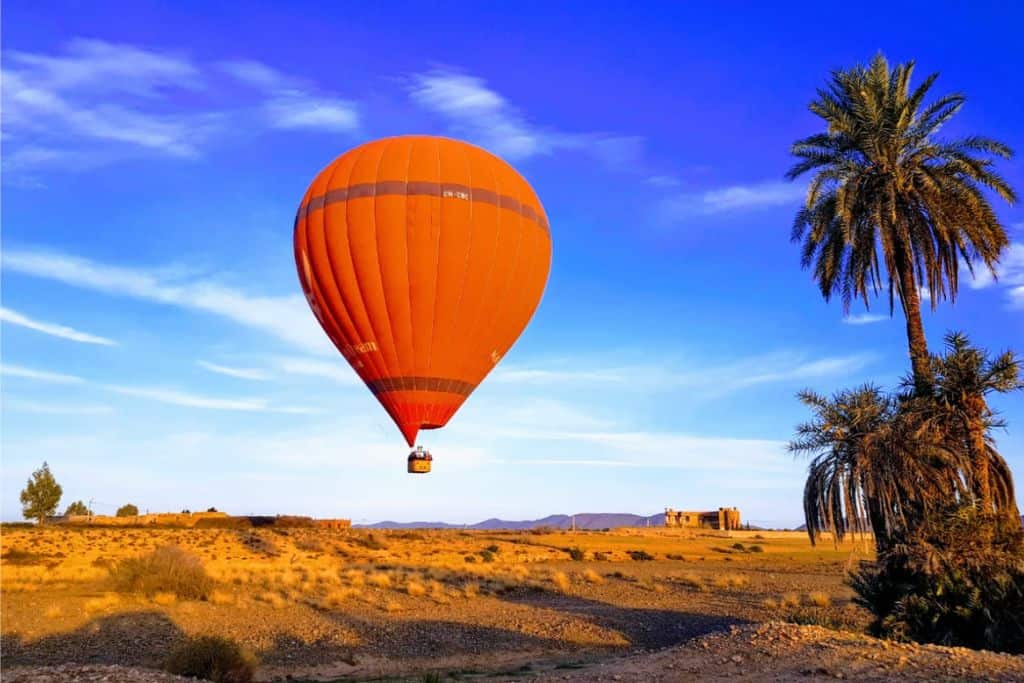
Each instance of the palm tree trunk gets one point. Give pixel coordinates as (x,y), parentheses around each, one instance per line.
(911,300)
(979,454)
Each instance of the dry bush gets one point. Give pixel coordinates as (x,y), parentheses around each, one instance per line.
(731,581)
(211,658)
(272,598)
(819,599)
(590,576)
(415,589)
(168,569)
(770,604)
(165,599)
(790,600)
(221,598)
(561,581)
(339,596)
(379,580)
(471,590)
(691,581)
(104,603)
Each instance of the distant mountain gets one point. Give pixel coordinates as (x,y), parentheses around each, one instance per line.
(586,520)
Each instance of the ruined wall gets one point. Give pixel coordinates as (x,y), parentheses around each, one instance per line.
(724,519)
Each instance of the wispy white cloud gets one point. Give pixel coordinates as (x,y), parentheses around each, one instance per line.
(14,318)
(286,317)
(180,398)
(94,102)
(39,375)
(734,198)
(472,108)
(864,318)
(338,371)
(254,374)
(46,408)
(103,92)
(1009,275)
(293,103)
(709,379)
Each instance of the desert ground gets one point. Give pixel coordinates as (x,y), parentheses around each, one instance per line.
(323,604)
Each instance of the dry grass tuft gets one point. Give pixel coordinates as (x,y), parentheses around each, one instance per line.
(790,600)
(102,604)
(731,581)
(168,569)
(211,658)
(379,580)
(165,599)
(590,576)
(219,597)
(52,612)
(415,589)
(819,599)
(471,590)
(561,581)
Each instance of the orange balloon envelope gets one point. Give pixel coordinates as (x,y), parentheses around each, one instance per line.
(423,258)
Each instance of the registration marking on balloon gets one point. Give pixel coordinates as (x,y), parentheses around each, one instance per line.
(421,258)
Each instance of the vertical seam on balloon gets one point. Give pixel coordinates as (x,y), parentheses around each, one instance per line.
(490,271)
(380,265)
(469,249)
(327,309)
(495,321)
(408,274)
(435,412)
(382,367)
(408,261)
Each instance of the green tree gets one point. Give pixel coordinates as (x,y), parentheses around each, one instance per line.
(41,495)
(963,376)
(77,508)
(886,193)
(127,510)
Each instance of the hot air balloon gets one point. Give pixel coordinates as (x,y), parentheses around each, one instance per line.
(423,259)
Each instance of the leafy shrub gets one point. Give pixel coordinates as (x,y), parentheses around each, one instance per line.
(739,546)
(211,658)
(493,549)
(600,557)
(127,510)
(755,549)
(576,554)
(671,556)
(470,559)
(961,582)
(168,569)
(486,556)
(640,555)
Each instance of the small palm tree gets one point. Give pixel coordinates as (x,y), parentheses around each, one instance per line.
(886,193)
(963,377)
(874,463)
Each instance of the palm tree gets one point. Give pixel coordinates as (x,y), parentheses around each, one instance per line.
(886,192)
(874,463)
(963,377)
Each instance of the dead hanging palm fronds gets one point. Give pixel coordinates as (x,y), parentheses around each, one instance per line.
(876,464)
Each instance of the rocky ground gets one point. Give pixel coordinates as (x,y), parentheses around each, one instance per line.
(766,652)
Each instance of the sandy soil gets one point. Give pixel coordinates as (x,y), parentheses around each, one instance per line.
(329,605)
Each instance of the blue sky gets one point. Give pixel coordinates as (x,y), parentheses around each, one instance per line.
(156,346)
